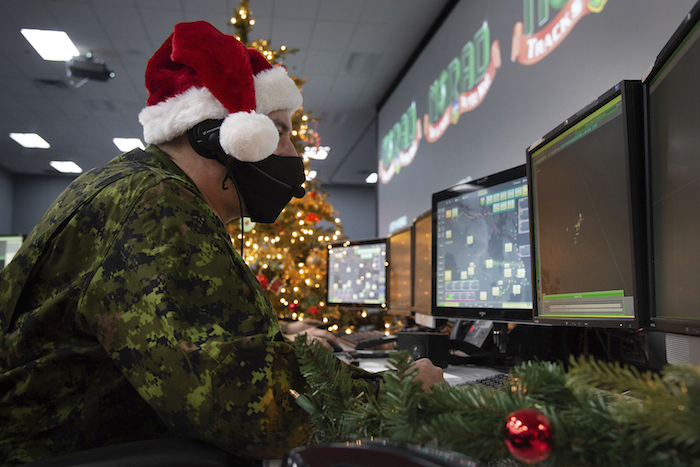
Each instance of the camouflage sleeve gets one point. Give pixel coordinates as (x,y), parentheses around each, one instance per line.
(185,321)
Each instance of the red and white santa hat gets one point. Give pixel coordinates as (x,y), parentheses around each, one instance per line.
(200,73)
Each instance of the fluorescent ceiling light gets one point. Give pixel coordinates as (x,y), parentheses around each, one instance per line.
(127,144)
(51,45)
(66,167)
(30,140)
(318,153)
(372,178)
(311,175)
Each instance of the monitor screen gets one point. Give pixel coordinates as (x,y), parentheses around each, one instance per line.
(481,249)
(673,151)
(422,263)
(399,271)
(585,186)
(9,244)
(357,273)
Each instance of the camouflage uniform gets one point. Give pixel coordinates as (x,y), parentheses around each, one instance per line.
(128,315)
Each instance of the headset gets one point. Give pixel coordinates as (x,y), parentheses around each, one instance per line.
(204,139)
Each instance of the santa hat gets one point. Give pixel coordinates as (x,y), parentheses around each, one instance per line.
(200,73)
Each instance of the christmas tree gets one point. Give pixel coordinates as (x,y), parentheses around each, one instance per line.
(289,255)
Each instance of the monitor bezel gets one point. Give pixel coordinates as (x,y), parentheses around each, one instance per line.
(9,237)
(521,315)
(356,305)
(632,108)
(414,307)
(405,310)
(677,326)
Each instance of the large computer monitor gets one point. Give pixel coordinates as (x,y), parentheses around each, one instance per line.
(422,263)
(9,244)
(357,274)
(672,91)
(400,271)
(481,249)
(587,212)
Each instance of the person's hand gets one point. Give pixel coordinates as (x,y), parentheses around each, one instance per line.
(315,334)
(428,374)
(294,327)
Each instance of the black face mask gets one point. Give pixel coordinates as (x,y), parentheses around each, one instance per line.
(267,186)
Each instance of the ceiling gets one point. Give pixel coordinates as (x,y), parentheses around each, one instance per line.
(350,52)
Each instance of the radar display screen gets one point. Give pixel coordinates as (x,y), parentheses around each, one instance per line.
(357,273)
(483,244)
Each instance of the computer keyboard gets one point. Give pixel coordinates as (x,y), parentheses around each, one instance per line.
(495,381)
(364,339)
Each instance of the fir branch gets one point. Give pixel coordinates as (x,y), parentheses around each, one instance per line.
(400,399)
(541,381)
(333,390)
(666,409)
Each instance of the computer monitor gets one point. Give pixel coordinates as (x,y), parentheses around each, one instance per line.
(587,209)
(481,249)
(422,263)
(400,271)
(672,92)
(357,274)
(9,244)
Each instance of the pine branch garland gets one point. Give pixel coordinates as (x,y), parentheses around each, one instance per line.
(601,414)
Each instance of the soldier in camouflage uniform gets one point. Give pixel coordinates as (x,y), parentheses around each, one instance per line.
(127,314)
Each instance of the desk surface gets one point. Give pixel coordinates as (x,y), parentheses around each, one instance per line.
(454,374)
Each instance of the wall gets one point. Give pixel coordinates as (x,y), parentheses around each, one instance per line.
(475,99)
(25,198)
(6,202)
(33,194)
(357,209)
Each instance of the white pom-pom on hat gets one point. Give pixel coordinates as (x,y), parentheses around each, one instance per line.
(249,137)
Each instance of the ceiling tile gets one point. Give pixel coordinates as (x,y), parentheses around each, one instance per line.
(341,9)
(295,8)
(293,33)
(346,93)
(220,20)
(260,30)
(257,7)
(316,91)
(160,24)
(331,35)
(213,6)
(294,62)
(322,62)
(371,37)
(121,21)
(36,17)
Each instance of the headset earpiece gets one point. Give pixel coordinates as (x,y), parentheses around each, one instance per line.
(204,138)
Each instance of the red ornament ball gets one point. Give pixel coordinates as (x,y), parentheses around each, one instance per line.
(313,310)
(263,280)
(528,435)
(294,307)
(312,217)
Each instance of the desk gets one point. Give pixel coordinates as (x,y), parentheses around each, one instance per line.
(454,374)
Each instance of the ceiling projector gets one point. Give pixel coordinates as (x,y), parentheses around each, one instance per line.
(86,67)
